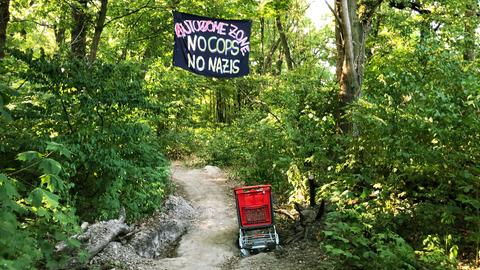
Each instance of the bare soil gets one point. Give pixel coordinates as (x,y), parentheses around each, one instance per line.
(210,241)
(198,230)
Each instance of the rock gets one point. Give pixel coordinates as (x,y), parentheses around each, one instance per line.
(122,256)
(163,229)
(212,171)
(154,237)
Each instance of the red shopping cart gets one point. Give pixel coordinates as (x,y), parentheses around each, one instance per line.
(255,219)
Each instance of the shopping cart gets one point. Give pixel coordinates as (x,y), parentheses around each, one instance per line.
(255,219)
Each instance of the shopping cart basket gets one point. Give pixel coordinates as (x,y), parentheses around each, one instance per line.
(255,218)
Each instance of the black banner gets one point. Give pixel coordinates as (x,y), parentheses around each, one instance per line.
(211,47)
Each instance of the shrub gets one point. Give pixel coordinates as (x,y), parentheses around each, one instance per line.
(35,211)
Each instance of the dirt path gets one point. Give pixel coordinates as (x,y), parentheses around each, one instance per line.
(210,242)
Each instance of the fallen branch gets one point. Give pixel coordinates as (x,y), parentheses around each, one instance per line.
(96,238)
(309,215)
(285,213)
(129,235)
(295,237)
(62,246)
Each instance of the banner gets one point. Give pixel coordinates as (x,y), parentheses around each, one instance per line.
(211,47)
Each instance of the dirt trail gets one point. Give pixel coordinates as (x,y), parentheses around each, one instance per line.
(210,240)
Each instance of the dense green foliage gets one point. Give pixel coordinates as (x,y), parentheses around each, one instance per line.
(99,117)
(81,137)
(404,192)
(35,211)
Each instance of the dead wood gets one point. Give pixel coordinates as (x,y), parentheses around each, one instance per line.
(308,216)
(285,213)
(128,235)
(96,237)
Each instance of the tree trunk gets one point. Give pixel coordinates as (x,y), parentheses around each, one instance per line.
(60,35)
(4,18)
(79,31)
(102,14)
(350,82)
(350,34)
(312,188)
(279,64)
(60,30)
(283,38)
(262,41)
(268,60)
(220,106)
(470,25)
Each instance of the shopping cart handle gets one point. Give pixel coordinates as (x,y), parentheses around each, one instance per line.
(248,188)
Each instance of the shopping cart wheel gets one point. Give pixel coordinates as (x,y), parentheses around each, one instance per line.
(271,246)
(236,241)
(244,252)
(279,251)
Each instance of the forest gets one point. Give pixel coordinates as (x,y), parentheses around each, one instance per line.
(380,105)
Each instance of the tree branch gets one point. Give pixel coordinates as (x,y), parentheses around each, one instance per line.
(128,13)
(285,213)
(16,20)
(339,21)
(283,38)
(268,60)
(102,14)
(371,10)
(415,6)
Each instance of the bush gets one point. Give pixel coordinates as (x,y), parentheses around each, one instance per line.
(285,122)
(103,114)
(355,240)
(35,211)
(118,167)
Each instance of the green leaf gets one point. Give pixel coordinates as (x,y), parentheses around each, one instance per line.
(53,182)
(39,195)
(472,218)
(29,156)
(10,191)
(8,222)
(469,200)
(42,212)
(51,200)
(7,190)
(50,166)
(73,243)
(36,197)
(339,238)
(328,233)
(59,148)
